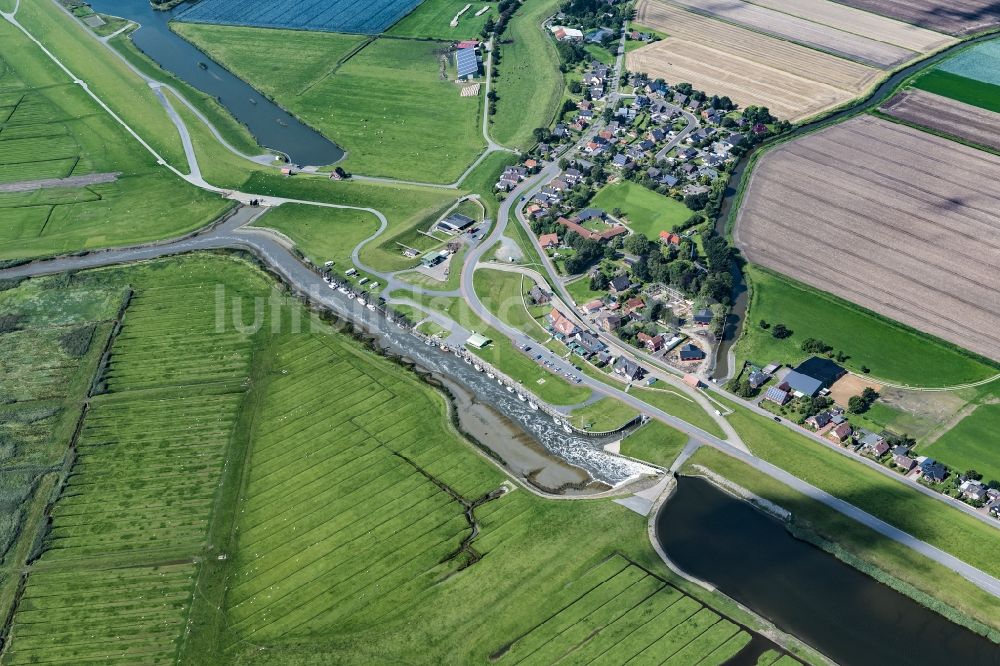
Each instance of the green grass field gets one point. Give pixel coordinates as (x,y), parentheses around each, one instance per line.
(603,415)
(505,295)
(432,20)
(677,404)
(581,292)
(853,540)
(386,104)
(654,442)
(529,85)
(323,234)
(978,93)
(645,211)
(971,443)
(891,352)
(50,129)
(923,517)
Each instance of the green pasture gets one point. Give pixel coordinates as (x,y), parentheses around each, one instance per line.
(529,85)
(323,234)
(432,20)
(603,415)
(646,212)
(655,442)
(977,93)
(581,292)
(891,351)
(505,295)
(675,403)
(386,104)
(971,443)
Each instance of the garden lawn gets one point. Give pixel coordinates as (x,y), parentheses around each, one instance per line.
(322,234)
(977,93)
(432,20)
(655,442)
(923,517)
(528,84)
(386,104)
(971,443)
(889,350)
(854,540)
(604,415)
(646,211)
(581,292)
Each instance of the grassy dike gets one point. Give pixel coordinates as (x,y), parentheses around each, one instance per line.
(907,572)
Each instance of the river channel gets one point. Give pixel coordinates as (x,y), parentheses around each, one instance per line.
(848,616)
(271,125)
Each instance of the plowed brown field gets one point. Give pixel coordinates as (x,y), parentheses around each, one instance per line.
(894,219)
(946,115)
(957,17)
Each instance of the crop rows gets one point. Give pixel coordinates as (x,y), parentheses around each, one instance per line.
(618,613)
(357,16)
(132,615)
(336,528)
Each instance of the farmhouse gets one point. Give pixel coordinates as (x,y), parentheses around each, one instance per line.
(467,63)
(703,317)
(777,395)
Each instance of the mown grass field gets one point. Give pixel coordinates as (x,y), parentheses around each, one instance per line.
(50,129)
(890,351)
(971,443)
(646,212)
(603,415)
(857,541)
(505,294)
(655,442)
(529,85)
(323,234)
(432,20)
(677,404)
(386,104)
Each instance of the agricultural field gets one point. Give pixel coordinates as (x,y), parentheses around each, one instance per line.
(793,81)
(845,43)
(366,17)
(948,116)
(432,20)
(49,129)
(323,234)
(889,351)
(873,26)
(980,62)
(971,443)
(645,211)
(529,84)
(970,77)
(956,17)
(136,504)
(392,105)
(655,442)
(904,226)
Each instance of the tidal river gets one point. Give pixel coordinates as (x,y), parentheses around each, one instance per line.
(272,126)
(806,592)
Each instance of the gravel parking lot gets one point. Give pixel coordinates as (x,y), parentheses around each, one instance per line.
(894,219)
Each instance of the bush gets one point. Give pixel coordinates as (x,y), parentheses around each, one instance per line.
(76,341)
(780,331)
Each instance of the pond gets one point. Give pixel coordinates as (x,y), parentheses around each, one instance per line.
(848,616)
(271,125)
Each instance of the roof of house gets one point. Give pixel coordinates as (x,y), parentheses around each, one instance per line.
(594,305)
(803,383)
(466,62)
(703,315)
(690,352)
(843,430)
(904,461)
(822,369)
(620,283)
(776,394)
(628,368)
(561,324)
(545,240)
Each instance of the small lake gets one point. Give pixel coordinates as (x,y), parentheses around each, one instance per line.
(806,592)
(272,126)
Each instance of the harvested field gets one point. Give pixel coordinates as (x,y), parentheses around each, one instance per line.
(851,385)
(957,17)
(793,81)
(950,116)
(803,31)
(860,22)
(904,223)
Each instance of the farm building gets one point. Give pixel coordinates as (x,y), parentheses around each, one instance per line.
(455,223)
(690,352)
(822,369)
(803,384)
(703,317)
(467,63)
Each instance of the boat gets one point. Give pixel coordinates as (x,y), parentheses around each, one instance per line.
(567,429)
(500,382)
(491,375)
(510,389)
(467,360)
(253,101)
(202,65)
(444,348)
(371,306)
(556,420)
(342,290)
(533,406)
(478,367)
(521,398)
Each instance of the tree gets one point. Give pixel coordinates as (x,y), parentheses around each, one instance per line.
(764,325)
(972,474)
(696,201)
(636,244)
(780,332)
(856,405)
(575,87)
(541,134)
(814,346)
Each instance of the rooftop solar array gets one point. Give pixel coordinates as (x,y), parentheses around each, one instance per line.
(354,16)
(467,62)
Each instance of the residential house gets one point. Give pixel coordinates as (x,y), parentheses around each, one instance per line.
(777,395)
(692,381)
(633,304)
(609,322)
(879,449)
(904,462)
(703,317)
(589,342)
(670,238)
(628,369)
(973,490)
(653,343)
(933,471)
(841,432)
(539,296)
(817,421)
(548,241)
(691,352)
(561,325)
(572,176)
(593,306)
(620,283)
(758,379)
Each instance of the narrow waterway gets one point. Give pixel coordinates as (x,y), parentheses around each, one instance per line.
(727,212)
(806,592)
(272,126)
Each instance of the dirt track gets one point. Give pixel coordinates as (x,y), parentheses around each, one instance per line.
(72,181)
(957,17)
(897,220)
(946,115)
